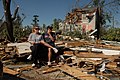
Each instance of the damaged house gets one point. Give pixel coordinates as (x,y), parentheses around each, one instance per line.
(84,20)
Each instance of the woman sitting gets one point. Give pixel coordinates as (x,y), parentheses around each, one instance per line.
(37,45)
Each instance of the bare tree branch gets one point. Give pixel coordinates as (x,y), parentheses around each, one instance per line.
(110,3)
(88,4)
(15,13)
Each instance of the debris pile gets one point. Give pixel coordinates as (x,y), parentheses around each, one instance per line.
(83,61)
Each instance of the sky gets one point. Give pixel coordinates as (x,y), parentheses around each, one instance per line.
(47,10)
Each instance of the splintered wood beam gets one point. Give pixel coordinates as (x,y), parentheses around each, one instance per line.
(77,73)
(24,68)
(68,52)
(74,44)
(107,46)
(93,55)
(49,70)
(111,65)
(9,71)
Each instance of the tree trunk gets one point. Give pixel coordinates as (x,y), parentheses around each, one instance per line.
(9,25)
(98,23)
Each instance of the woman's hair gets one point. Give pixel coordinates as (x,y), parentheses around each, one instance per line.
(35,27)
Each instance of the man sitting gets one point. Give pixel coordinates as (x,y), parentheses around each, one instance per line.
(49,37)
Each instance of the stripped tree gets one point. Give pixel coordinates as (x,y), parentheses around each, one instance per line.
(9,19)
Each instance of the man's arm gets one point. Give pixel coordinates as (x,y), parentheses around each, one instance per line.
(46,44)
(51,37)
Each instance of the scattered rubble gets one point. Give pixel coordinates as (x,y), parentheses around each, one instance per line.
(82,62)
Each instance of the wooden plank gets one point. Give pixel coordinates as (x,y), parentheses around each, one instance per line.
(108,46)
(111,65)
(68,52)
(11,44)
(93,55)
(25,68)
(49,70)
(88,43)
(9,71)
(74,43)
(117,60)
(77,73)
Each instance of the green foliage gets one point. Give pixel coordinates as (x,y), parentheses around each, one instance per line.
(75,34)
(3,34)
(19,31)
(96,2)
(35,20)
(56,24)
(112,34)
(43,28)
(108,8)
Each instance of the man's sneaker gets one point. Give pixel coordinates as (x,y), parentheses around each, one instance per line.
(55,50)
(61,57)
(33,65)
(29,57)
(38,61)
(49,63)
